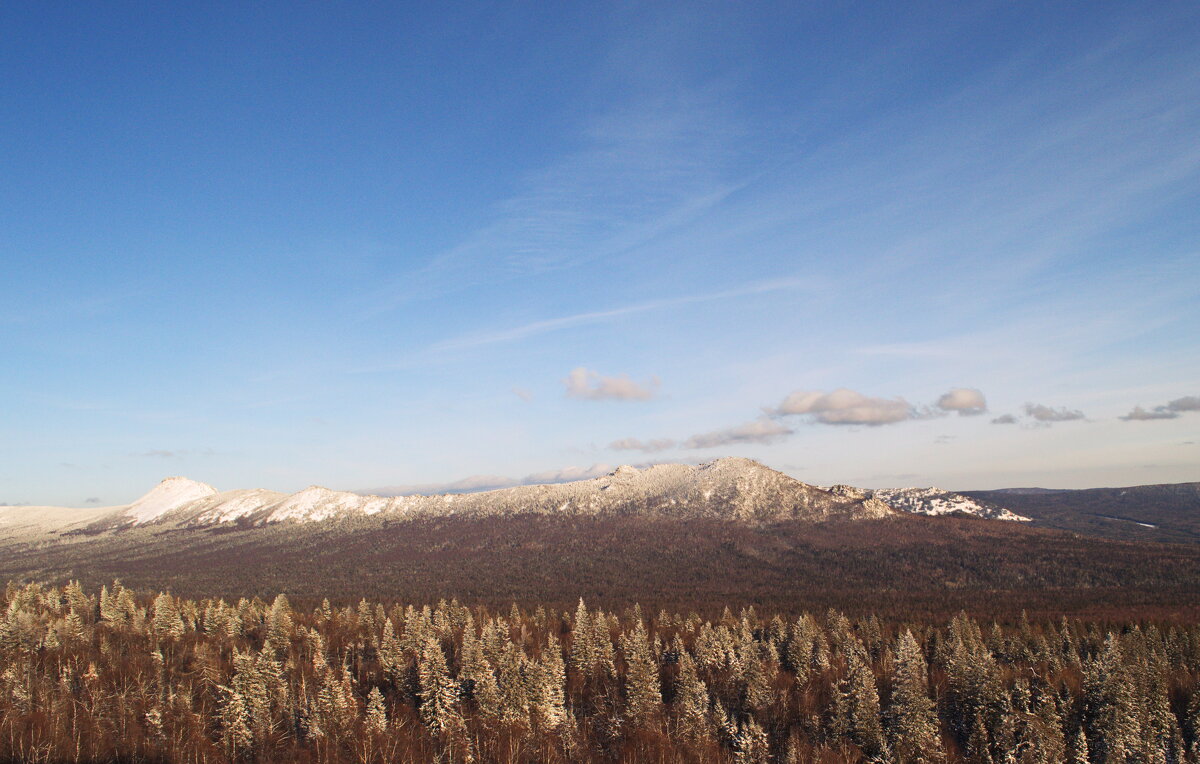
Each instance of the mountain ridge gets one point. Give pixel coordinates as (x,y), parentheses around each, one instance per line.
(730,488)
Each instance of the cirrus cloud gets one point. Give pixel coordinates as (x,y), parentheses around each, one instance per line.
(762,431)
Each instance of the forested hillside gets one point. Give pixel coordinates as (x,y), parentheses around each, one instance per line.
(1168,512)
(116,675)
(903,565)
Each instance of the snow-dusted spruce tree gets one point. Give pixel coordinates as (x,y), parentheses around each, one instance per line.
(279,622)
(691,707)
(168,624)
(514,695)
(1111,705)
(77,600)
(798,652)
(549,699)
(857,703)
(605,659)
(912,718)
(376,720)
(478,680)
(757,676)
(643,689)
(439,691)
(583,654)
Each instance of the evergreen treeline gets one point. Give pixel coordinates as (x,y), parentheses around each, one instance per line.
(113,676)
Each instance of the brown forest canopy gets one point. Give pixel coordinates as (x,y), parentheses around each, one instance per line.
(117,675)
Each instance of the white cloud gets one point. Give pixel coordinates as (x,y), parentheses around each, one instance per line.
(1005,419)
(758,431)
(966,401)
(590,385)
(844,406)
(1049,414)
(651,446)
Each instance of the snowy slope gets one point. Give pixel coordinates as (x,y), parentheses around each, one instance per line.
(935,501)
(170,494)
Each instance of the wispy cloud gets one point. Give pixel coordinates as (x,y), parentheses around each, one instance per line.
(477,483)
(535,328)
(523,393)
(652,446)
(646,165)
(760,431)
(590,385)
(1005,419)
(158,453)
(1049,414)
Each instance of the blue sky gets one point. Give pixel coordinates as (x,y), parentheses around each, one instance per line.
(410,244)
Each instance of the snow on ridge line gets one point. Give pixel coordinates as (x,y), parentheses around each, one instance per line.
(936,501)
(172,493)
(732,488)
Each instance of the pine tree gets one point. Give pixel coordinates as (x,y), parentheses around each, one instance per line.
(799,649)
(391,654)
(514,696)
(438,691)
(912,719)
(279,622)
(549,701)
(583,655)
(860,702)
(643,691)
(167,622)
(376,719)
(478,679)
(1078,752)
(690,708)
(978,747)
(1111,706)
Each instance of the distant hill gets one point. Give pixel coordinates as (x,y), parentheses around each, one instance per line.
(1169,512)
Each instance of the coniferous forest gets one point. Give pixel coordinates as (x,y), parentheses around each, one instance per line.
(119,675)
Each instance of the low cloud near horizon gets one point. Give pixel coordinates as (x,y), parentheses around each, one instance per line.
(477,483)
(1169,410)
(1049,414)
(587,384)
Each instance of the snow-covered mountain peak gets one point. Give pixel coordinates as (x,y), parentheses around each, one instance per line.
(172,493)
